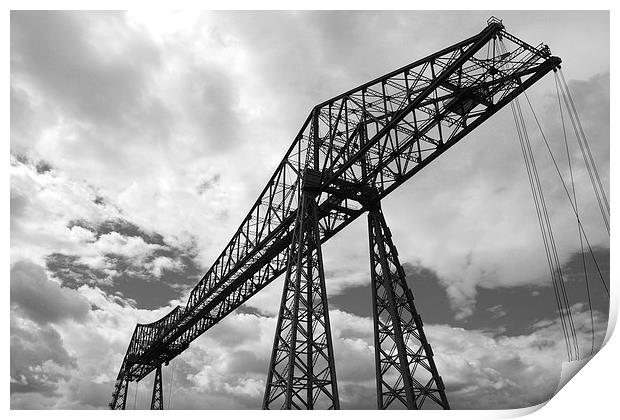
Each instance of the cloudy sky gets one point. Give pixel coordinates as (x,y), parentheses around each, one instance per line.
(140,140)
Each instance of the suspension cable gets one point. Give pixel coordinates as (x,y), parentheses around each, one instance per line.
(558,267)
(502,47)
(559,289)
(573,205)
(572,180)
(585,141)
(170,384)
(595,179)
(566,319)
(135,399)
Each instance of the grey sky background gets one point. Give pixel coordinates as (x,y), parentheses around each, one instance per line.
(140,140)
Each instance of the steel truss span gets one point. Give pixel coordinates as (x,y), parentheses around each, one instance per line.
(351,152)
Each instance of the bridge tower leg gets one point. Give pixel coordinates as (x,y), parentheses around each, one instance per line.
(157,401)
(301,372)
(405,370)
(119,398)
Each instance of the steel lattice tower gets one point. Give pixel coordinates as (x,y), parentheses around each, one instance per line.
(351,152)
(157,400)
(301,373)
(119,398)
(405,369)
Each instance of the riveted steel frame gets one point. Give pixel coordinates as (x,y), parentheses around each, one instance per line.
(370,139)
(301,372)
(406,373)
(119,397)
(157,399)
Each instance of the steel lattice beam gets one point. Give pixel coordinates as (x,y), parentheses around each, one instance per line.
(364,143)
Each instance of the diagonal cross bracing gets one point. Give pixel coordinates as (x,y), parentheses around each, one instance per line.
(370,139)
(301,373)
(405,369)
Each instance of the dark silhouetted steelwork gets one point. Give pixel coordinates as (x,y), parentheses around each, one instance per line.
(119,398)
(405,369)
(359,146)
(157,400)
(301,373)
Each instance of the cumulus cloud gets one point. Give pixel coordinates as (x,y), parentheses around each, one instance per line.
(73,362)
(160,264)
(507,372)
(226,368)
(39,360)
(91,73)
(42,300)
(82,239)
